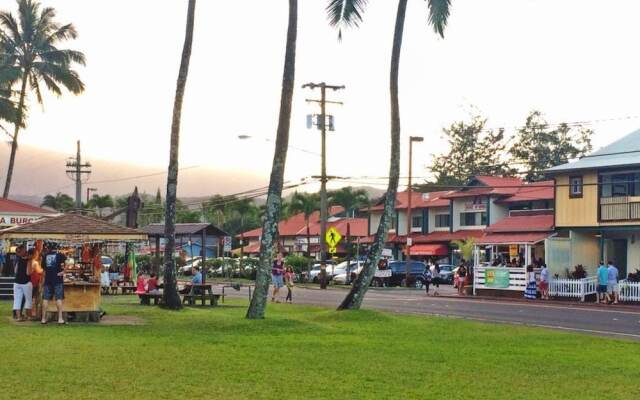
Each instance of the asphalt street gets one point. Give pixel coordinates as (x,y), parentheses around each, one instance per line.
(590,319)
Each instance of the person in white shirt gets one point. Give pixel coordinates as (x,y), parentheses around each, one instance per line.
(544,282)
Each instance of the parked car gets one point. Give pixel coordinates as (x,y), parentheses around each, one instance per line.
(446,273)
(315,271)
(193,262)
(354,268)
(398,274)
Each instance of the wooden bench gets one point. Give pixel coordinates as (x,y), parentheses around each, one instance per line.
(128,288)
(145,299)
(191,299)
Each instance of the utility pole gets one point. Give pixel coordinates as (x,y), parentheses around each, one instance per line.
(322,123)
(75,171)
(89,190)
(409,201)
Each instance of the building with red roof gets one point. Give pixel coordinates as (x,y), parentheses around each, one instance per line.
(438,218)
(14,213)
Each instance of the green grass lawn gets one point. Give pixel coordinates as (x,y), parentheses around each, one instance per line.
(306,352)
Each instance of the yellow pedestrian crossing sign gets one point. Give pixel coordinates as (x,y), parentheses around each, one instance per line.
(332,237)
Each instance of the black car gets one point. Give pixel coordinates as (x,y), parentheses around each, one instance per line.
(399,274)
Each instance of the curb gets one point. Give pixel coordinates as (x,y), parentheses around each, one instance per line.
(568,303)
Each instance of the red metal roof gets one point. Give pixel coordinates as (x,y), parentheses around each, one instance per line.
(525,223)
(418,200)
(543,190)
(294,224)
(430,250)
(514,238)
(14,207)
(358,227)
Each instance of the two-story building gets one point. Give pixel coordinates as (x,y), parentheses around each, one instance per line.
(597,214)
(438,218)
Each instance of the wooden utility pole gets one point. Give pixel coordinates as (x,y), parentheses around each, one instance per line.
(76,170)
(322,124)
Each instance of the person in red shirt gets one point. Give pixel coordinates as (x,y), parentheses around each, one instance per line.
(152,285)
(126,273)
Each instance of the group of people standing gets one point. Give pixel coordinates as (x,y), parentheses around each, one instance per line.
(282,275)
(608,291)
(30,267)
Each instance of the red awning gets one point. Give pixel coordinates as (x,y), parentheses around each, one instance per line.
(514,238)
(429,250)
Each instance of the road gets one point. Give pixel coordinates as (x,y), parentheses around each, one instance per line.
(623,323)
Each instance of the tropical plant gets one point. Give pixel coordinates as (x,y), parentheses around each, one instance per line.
(344,13)
(100,202)
(8,109)
(274,196)
(60,202)
(466,247)
(29,55)
(307,204)
(350,199)
(170,296)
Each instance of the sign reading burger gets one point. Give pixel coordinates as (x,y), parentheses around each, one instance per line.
(14,213)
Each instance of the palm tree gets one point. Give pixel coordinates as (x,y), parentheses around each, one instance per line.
(349,199)
(274,194)
(466,247)
(99,202)
(170,296)
(60,202)
(345,13)
(28,51)
(306,203)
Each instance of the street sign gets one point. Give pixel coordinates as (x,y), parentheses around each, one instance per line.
(227,243)
(332,237)
(332,250)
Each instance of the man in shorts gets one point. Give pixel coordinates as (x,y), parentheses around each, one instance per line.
(603,280)
(612,285)
(53,288)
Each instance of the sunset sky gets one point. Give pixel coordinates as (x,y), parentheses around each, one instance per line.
(575,60)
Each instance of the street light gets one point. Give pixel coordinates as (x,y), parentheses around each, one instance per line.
(409,218)
(89,190)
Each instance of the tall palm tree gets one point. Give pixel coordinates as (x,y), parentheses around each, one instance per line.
(306,203)
(349,199)
(274,195)
(170,296)
(28,51)
(99,202)
(345,13)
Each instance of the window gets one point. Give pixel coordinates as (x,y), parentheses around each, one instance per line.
(627,184)
(575,186)
(473,218)
(416,222)
(442,221)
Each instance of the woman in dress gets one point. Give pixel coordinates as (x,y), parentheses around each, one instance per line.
(530,291)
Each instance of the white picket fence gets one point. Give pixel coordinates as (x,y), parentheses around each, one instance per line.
(629,291)
(575,288)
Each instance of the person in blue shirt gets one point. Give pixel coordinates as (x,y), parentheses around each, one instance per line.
(196,280)
(612,285)
(603,281)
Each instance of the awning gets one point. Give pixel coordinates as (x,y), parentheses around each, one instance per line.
(514,238)
(429,250)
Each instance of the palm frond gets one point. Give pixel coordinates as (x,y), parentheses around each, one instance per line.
(345,13)
(439,15)
(64,57)
(54,74)
(65,32)
(9,28)
(28,15)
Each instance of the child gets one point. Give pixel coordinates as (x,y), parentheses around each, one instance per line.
(288,280)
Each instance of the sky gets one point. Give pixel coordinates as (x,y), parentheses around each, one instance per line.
(574,60)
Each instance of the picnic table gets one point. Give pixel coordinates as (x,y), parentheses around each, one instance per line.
(237,286)
(203,292)
(127,288)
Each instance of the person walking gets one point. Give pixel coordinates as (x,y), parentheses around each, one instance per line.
(428,278)
(289,276)
(22,288)
(544,282)
(53,283)
(462,275)
(612,283)
(436,279)
(277,272)
(530,292)
(603,281)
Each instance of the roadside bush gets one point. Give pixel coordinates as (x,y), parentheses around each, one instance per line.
(299,263)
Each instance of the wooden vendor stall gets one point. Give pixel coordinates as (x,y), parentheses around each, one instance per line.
(80,238)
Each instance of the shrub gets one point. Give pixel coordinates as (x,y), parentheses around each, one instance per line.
(578,272)
(299,263)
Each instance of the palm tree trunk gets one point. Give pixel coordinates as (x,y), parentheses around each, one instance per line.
(361,285)
(14,142)
(274,196)
(170,297)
